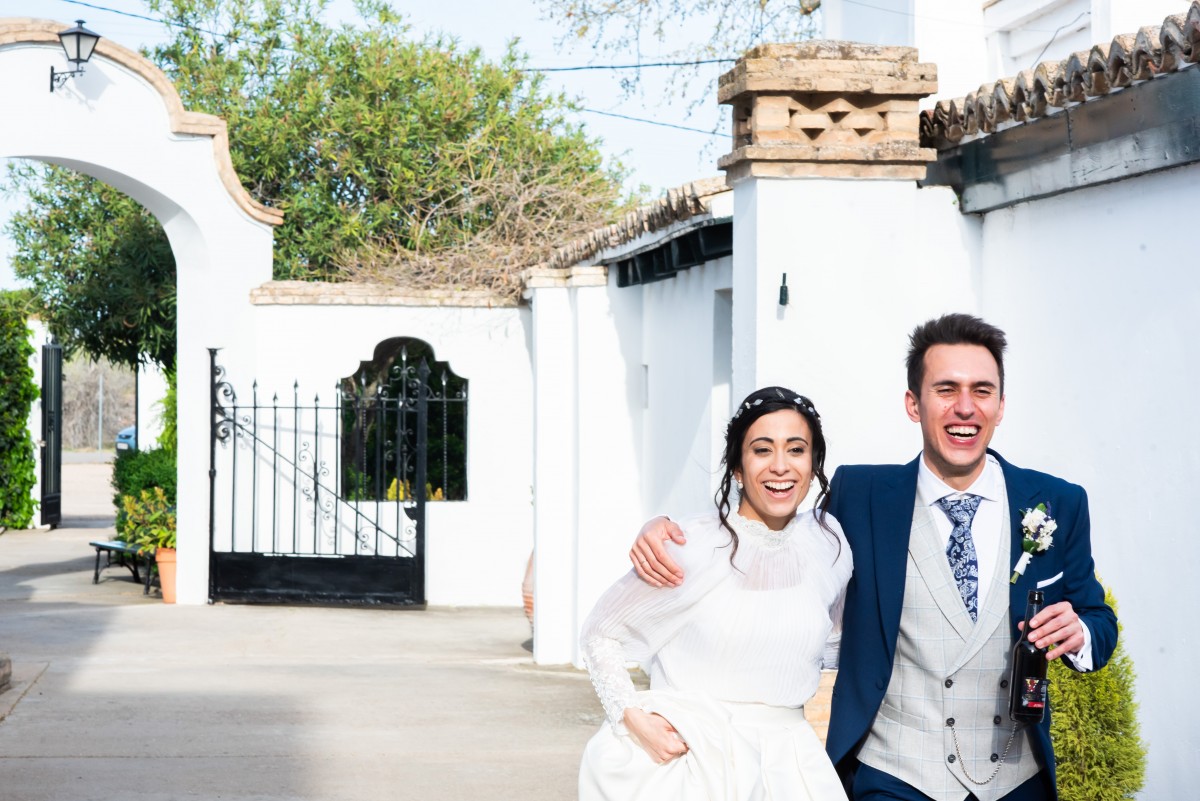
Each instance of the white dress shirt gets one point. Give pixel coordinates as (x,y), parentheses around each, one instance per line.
(986,530)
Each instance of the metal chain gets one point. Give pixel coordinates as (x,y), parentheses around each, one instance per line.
(999,764)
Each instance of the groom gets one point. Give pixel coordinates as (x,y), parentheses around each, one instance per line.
(921,698)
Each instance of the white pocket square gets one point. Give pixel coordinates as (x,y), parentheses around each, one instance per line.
(1049,581)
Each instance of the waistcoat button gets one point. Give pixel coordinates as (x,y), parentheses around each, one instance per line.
(996,720)
(949,682)
(995,757)
(950,759)
(1003,684)
(949,721)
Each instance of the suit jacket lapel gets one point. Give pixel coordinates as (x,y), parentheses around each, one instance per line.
(1023,490)
(891,514)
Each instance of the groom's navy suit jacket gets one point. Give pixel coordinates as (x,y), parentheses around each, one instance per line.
(874,504)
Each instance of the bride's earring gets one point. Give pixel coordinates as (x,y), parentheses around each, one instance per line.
(739,484)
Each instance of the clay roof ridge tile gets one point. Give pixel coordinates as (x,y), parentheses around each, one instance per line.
(1002,102)
(1176,43)
(1119,69)
(1127,59)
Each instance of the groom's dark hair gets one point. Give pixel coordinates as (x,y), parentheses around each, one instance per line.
(952,329)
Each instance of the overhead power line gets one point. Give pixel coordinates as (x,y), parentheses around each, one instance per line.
(632,66)
(121,13)
(652,122)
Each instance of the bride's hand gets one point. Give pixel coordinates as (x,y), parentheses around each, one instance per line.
(649,554)
(655,735)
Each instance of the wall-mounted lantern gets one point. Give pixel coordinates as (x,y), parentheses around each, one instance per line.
(79,43)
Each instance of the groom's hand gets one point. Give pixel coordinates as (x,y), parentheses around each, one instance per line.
(649,555)
(1056,627)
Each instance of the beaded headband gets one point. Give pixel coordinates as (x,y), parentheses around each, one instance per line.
(801,402)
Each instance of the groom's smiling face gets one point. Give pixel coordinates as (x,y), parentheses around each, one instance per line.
(959,407)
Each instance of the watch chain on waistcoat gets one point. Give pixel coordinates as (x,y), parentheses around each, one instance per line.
(1012,735)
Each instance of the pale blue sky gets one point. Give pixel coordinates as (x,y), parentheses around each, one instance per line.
(659,157)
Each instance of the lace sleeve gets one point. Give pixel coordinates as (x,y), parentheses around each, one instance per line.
(633,620)
(605,661)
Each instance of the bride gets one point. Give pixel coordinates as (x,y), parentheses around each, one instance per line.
(735,652)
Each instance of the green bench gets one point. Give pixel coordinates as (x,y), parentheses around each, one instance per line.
(127,556)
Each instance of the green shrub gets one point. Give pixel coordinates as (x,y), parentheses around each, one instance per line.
(168,440)
(17,394)
(149,520)
(1099,753)
(135,471)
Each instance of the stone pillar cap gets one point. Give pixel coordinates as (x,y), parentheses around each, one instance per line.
(826,109)
(828,66)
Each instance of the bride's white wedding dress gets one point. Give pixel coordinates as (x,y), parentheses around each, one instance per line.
(732,654)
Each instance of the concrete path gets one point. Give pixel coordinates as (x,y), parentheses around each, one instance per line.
(117,696)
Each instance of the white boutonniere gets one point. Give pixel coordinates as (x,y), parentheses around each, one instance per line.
(1038,527)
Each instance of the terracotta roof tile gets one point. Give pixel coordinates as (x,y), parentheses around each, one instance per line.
(677,205)
(1031,94)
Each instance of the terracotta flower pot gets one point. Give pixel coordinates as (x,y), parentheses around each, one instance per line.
(527,590)
(165,558)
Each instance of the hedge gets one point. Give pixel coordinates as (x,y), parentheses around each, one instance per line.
(17,394)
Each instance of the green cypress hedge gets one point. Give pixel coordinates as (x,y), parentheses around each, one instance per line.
(1098,749)
(137,471)
(17,394)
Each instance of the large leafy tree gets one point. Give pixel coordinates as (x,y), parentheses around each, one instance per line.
(100,266)
(413,161)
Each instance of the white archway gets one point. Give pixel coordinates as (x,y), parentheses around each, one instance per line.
(123,122)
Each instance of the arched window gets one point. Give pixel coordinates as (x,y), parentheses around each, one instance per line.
(379,437)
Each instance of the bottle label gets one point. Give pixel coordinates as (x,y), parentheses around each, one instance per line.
(1033,693)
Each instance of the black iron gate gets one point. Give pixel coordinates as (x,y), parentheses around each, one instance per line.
(51,444)
(291,518)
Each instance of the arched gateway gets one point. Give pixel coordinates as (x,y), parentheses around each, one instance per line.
(123,123)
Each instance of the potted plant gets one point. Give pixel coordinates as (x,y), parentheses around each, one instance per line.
(150,524)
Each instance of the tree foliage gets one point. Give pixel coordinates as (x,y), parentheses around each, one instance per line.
(381,149)
(99,265)
(1098,750)
(17,394)
(393,159)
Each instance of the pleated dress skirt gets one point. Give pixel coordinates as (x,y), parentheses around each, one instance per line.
(736,752)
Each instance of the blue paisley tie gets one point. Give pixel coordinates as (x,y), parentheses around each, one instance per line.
(960,551)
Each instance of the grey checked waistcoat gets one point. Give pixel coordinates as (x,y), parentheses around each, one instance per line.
(948,668)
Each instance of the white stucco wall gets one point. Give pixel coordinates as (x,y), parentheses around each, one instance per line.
(625,386)
(683,328)
(151,389)
(1100,302)
(654,399)
(866,261)
(38,336)
(611,498)
(476,550)
(115,124)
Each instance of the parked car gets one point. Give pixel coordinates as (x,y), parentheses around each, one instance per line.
(127,439)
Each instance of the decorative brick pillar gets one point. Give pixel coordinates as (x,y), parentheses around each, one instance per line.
(826,109)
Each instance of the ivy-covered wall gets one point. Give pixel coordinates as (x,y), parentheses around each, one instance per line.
(17,394)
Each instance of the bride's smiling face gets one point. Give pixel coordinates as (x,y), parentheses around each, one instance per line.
(776,468)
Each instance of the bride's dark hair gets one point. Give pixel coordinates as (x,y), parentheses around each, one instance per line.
(759,404)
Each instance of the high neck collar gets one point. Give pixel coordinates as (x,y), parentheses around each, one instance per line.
(756,531)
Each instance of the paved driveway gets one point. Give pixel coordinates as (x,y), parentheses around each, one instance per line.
(124,697)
